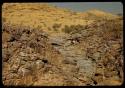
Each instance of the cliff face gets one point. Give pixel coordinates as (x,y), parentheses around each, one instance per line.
(47,45)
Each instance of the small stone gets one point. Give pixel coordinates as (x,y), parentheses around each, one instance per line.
(5,45)
(67,43)
(23,54)
(3,78)
(96,55)
(99,71)
(24,71)
(14,69)
(5,57)
(69,61)
(83,80)
(26,58)
(24,37)
(22,62)
(39,64)
(98,79)
(116,46)
(29,50)
(27,66)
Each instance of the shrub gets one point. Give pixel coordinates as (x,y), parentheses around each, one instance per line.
(112,29)
(56,26)
(49,29)
(39,27)
(66,29)
(3,20)
(73,28)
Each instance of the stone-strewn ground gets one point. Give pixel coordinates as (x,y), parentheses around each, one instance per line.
(79,55)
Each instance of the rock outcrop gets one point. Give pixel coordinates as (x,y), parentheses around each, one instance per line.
(44,45)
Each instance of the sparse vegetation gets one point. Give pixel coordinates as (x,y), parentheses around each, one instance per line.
(3,20)
(56,27)
(112,29)
(39,27)
(46,45)
(73,28)
(49,29)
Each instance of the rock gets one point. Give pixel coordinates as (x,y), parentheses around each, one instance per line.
(67,43)
(56,41)
(22,62)
(69,60)
(109,74)
(27,58)
(11,76)
(83,79)
(24,37)
(85,33)
(15,44)
(112,82)
(23,54)
(14,63)
(14,37)
(86,67)
(3,79)
(6,56)
(11,39)
(28,50)
(39,64)
(96,55)
(27,66)
(24,72)
(76,35)
(99,71)
(116,46)
(5,45)
(98,79)
(14,69)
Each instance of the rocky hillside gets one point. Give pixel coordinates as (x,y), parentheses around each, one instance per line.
(48,45)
